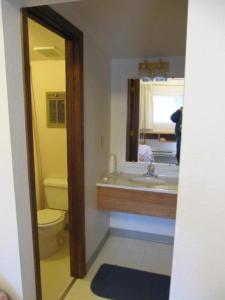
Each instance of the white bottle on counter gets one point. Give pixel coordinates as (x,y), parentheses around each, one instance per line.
(112,164)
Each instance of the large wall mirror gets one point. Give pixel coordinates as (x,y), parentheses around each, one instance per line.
(150,130)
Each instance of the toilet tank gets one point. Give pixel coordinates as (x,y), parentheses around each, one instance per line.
(56,193)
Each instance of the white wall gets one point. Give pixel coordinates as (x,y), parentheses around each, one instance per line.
(199,256)
(9,250)
(97,128)
(16,251)
(153,225)
(121,71)
(96,125)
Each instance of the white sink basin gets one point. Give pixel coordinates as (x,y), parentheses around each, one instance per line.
(142,179)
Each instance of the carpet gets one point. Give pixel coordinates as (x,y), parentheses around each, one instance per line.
(120,283)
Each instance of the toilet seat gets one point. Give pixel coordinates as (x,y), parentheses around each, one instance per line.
(49,216)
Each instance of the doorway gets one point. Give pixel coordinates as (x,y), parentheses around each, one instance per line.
(64,109)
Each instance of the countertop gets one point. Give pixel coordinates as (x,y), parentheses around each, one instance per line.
(169,184)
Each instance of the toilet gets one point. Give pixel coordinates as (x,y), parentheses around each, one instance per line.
(52,219)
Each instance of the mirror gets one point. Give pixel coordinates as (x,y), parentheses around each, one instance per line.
(150,129)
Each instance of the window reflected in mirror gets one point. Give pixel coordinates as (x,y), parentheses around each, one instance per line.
(150,130)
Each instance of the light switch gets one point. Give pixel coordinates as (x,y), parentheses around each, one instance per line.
(101,141)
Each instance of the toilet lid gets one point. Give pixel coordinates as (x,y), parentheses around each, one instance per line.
(47,216)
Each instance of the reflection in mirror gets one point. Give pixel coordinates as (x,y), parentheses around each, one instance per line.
(155,137)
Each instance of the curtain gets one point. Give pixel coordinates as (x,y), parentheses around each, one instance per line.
(173,88)
(146,107)
(39,189)
(149,91)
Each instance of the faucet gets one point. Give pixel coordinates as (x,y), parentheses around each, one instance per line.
(150,170)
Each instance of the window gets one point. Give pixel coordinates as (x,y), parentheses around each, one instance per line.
(56,112)
(163,108)
(158,101)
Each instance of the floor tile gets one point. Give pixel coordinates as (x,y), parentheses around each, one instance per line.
(132,253)
(81,291)
(55,273)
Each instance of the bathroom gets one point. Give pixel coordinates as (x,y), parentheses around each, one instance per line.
(199,221)
(102,225)
(48,90)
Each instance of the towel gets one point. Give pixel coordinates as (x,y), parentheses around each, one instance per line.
(145,153)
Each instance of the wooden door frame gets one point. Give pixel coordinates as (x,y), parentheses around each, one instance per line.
(47,17)
(133,108)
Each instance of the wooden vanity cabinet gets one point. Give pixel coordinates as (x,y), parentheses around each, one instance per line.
(158,204)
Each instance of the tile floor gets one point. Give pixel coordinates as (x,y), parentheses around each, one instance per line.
(55,273)
(137,254)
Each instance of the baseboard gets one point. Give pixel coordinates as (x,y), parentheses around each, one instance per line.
(163,239)
(98,249)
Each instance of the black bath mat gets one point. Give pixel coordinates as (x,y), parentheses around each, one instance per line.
(119,283)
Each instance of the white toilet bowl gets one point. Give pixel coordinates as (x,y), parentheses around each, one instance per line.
(51,223)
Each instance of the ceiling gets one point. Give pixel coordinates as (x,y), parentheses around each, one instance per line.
(39,36)
(131,28)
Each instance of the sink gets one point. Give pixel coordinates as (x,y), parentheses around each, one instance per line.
(142,179)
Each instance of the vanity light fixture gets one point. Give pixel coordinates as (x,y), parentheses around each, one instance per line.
(154,71)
